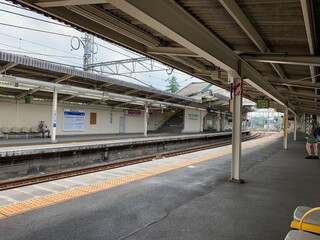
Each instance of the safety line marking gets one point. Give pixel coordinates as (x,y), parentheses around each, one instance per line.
(29,205)
(38,203)
(14,209)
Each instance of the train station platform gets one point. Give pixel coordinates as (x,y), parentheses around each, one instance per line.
(18,146)
(182,197)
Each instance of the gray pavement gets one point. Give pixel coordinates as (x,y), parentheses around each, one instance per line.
(194,202)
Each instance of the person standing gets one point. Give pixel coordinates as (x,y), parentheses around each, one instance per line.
(312,140)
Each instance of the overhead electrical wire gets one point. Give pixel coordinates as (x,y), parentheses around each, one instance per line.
(34,18)
(66,35)
(37,30)
(34,53)
(31,52)
(39,44)
(32,29)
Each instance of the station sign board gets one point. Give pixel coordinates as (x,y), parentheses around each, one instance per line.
(133,113)
(73,120)
(155,110)
(263,103)
(193,116)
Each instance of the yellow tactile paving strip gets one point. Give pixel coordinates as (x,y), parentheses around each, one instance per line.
(25,206)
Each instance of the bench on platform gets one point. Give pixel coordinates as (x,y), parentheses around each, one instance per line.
(309,216)
(307,221)
(19,131)
(301,235)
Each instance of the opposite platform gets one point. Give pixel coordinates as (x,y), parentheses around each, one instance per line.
(82,143)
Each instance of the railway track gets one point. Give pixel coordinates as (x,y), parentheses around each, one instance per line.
(55,176)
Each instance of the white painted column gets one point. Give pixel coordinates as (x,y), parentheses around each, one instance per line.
(236,130)
(17,112)
(218,121)
(146,112)
(54,115)
(201,120)
(285,129)
(295,128)
(223,121)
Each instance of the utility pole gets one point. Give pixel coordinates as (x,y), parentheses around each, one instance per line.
(90,48)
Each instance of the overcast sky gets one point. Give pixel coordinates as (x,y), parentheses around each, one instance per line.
(17,36)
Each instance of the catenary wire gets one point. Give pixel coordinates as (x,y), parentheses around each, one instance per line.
(39,44)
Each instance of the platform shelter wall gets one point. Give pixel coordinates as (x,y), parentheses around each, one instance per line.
(193,120)
(19,114)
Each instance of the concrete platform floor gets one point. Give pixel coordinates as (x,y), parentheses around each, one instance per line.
(34,140)
(192,202)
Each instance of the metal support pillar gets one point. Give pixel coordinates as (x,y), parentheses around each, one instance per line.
(236,130)
(285,129)
(223,121)
(295,128)
(54,115)
(218,122)
(201,120)
(17,112)
(146,112)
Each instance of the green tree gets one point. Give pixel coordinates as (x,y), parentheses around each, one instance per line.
(173,86)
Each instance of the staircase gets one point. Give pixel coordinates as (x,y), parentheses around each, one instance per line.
(174,124)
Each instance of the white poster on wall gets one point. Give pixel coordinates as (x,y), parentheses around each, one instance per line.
(73,120)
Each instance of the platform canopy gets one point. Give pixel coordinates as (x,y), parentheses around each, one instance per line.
(272,44)
(22,77)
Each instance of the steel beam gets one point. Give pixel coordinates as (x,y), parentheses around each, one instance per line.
(107,20)
(8,66)
(64,3)
(295,83)
(69,97)
(285,128)
(63,78)
(307,17)
(58,80)
(237,14)
(295,128)
(183,28)
(310,30)
(304,60)
(306,101)
(85,91)
(171,51)
(311,111)
(305,95)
